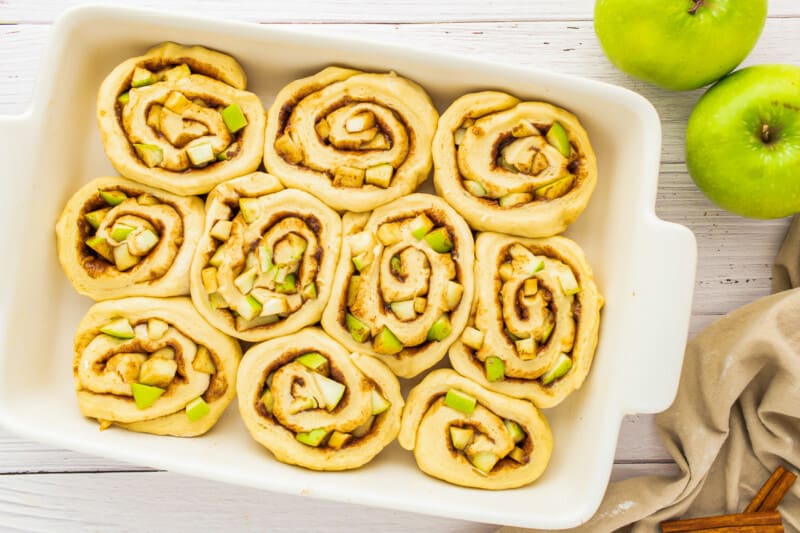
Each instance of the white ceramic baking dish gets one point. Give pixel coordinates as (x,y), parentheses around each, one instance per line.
(644,266)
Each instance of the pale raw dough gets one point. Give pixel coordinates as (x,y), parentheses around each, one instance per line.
(276,431)
(164,271)
(216,78)
(575,335)
(474,158)
(400,116)
(105,395)
(282,212)
(429,274)
(425,431)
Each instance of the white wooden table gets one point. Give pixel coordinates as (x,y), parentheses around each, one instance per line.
(44,489)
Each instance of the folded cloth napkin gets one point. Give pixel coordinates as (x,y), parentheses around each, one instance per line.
(736,416)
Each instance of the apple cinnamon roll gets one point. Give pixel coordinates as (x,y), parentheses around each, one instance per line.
(118,238)
(523,168)
(535,321)
(265,263)
(179,118)
(403,284)
(467,435)
(153,365)
(310,403)
(355,140)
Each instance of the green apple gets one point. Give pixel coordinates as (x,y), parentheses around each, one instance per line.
(743,142)
(678,44)
(460,401)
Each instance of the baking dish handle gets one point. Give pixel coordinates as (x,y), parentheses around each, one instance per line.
(664,280)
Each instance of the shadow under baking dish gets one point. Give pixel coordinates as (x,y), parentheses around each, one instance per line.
(644,267)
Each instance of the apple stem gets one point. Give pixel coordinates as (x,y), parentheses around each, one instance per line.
(697,5)
(765,134)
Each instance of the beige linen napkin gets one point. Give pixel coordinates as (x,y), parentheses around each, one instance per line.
(736,416)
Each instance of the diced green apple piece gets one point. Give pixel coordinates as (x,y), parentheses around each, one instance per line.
(124,98)
(229,152)
(268,400)
(201,154)
(142,77)
(250,208)
(272,305)
(332,391)
(245,281)
(315,361)
(121,231)
(475,188)
(363,261)
(288,285)
(440,329)
(177,103)
(297,246)
(461,437)
(352,290)
(249,308)
(562,366)
(209,277)
(157,372)
(358,330)
(556,189)
(264,258)
(217,258)
(95,218)
(525,129)
(515,430)
(142,242)
(453,293)
(495,369)
(526,348)
(506,271)
(484,461)
(439,240)
(460,401)
(404,310)
(472,338)
(176,73)
(420,304)
(217,301)
(458,136)
(221,230)
(379,403)
(568,282)
(113,198)
(203,362)
(234,118)
(557,137)
(120,328)
(314,438)
(379,175)
(197,409)
(167,352)
(530,287)
(150,154)
(548,330)
(309,292)
(361,242)
(389,233)
(338,439)
(515,199)
(123,259)
(396,265)
(364,428)
(420,226)
(145,395)
(518,455)
(386,342)
(101,246)
(156,329)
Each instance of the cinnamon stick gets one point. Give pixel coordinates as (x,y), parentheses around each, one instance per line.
(727,523)
(777,493)
(764,491)
(743,529)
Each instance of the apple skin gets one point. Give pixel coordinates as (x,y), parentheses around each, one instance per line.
(661,42)
(726,151)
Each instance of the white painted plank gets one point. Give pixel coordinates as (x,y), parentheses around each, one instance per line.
(43,11)
(155,501)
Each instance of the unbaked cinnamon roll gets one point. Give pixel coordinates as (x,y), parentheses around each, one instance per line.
(535,321)
(153,365)
(469,436)
(119,238)
(265,263)
(523,168)
(312,404)
(355,140)
(179,118)
(404,284)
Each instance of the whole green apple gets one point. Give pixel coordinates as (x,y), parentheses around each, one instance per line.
(678,44)
(743,142)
